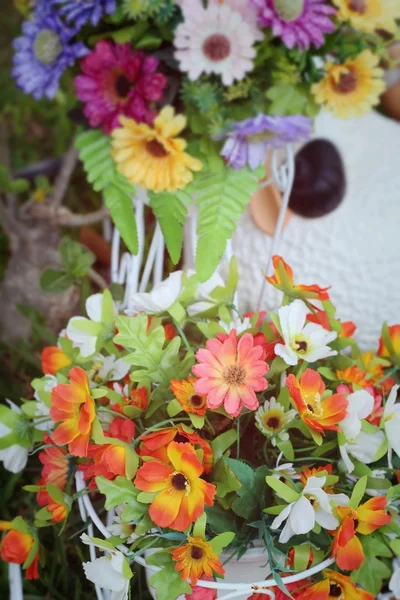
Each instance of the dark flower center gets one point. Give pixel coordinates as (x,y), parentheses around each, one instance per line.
(335,591)
(356,524)
(347,83)
(196,553)
(274,423)
(47,46)
(180,438)
(217,47)
(179,482)
(358,6)
(196,400)
(234,375)
(301,346)
(289,10)
(310,408)
(123,86)
(156,149)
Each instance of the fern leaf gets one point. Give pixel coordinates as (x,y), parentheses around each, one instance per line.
(170,210)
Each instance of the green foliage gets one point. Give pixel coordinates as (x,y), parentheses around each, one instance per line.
(167,582)
(76,261)
(221,198)
(122,491)
(170,210)
(95,153)
(12,186)
(288,99)
(252,490)
(205,96)
(373,570)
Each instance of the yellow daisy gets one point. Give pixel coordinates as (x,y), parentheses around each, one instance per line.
(153,157)
(369,15)
(352,88)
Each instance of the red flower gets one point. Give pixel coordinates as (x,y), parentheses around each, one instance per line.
(56,464)
(16,547)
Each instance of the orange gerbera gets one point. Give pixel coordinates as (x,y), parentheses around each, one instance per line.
(15,548)
(54,359)
(353,375)
(137,397)
(155,444)
(282,279)
(394,335)
(187,397)
(318,413)
(74,407)
(181,494)
(196,559)
(334,586)
(366,519)
(375,372)
(56,464)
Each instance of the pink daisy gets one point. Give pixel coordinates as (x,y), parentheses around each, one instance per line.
(297,22)
(230,372)
(117,81)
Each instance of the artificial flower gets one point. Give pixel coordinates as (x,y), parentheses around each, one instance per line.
(89,334)
(187,396)
(107,460)
(230,372)
(203,298)
(394,583)
(111,572)
(394,336)
(155,444)
(121,429)
(321,318)
(313,506)
(153,157)
(297,22)
(302,340)
(360,405)
(74,408)
(110,368)
(16,546)
(334,586)
(352,374)
(317,412)
(271,420)
(182,495)
(283,280)
(126,531)
(53,359)
(90,11)
(56,463)
(196,559)
(161,297)
(216,40)
(369,15)
(285,471)
(116,81)
(364,520)
(247,11)
(352,88)
(391,417)
(240,324)
(136,397)
(248,141)
(57,511)
(43,388)
(363,447)
(43,53)
(201,593)
(14,449)
(374,369)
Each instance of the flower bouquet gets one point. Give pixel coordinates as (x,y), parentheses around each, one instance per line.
(184,98)
(205,434)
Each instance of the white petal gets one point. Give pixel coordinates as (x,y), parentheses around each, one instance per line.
(392,428)
(394,583)
(302,516)
(14,458)
(103,573)
(14,407)
(361,402)
(288,354)
(345,457)
(93,307)
(4,430)
(366,445)
(390,402)
(326,519)
(277,522)
(287,533)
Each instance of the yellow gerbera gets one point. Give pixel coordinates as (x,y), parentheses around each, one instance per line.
(153,157)
(352,88)
(369,15)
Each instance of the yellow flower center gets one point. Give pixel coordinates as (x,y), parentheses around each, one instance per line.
(313,501)
(300,344)
(180,483)
(314,407)
(47,46)
(156,149)
(196,552)
(273,420)
(217,47)
(336,591)
(358,6)
(234,375)
(289,10)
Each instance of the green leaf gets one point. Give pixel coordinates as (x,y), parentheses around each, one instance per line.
(221,198)
(224,479)
(222,443)
(197,420)
(221,541)
(358,492)
(288,99)
(118,200)
(13,186)
(120,491)
(55,493)
(55,281)
(252,490)
(174,408)
(75,258)
(170,210)
(284,491)
(199,528)
(373,571)
(286,447)
(168,583)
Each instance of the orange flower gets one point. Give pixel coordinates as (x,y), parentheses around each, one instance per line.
(318,413)
(187,397)
(136,397)
(394,334)
(54,359)
(58,511)
(155,444)
(366,519)
(335,586)
(56,464)
(375,372)
(352,375)
(74,407)
(321,318)
(196,559)
(15,548)
(121,429)
(181,494)
(282,279)
(306,472)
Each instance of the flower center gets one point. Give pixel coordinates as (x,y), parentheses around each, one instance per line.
(347,83)
(180,483)
(123,86)
(180,438)
(263,136)
(289,10)
(358,6)
(217,47)
(314,406)
(356,524)
(313,501)
(234,375)
(274,423)
(47,46)
(196,552)
(156,149)
(196,400)
(300,344)
(335,591)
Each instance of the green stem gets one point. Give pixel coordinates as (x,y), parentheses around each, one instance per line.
(183,336)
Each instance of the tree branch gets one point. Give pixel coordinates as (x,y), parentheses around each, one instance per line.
(64,176)
(62,217)
(97,279)
(5,159)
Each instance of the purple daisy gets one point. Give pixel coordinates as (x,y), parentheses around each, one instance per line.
(248,141)
(80,12)
(297,22)
(43,53)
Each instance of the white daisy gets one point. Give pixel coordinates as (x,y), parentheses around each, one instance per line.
(160,299)
(271,420)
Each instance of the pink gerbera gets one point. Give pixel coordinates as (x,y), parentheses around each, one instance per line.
(117,81)
(230,372)
(297,22)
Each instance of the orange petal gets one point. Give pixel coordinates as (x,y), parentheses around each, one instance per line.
(165,508)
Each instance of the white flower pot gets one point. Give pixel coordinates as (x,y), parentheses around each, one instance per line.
(251,568)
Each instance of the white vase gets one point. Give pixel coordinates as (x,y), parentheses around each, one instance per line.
(250,568)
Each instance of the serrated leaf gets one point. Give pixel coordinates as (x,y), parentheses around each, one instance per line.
(170,210)
(120,491)
(225,479)
(168,583)
(75,258)
(252,488)
(118,199)
(373,571)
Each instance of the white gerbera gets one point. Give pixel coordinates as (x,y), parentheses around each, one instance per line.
(215,40)
(271,420)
